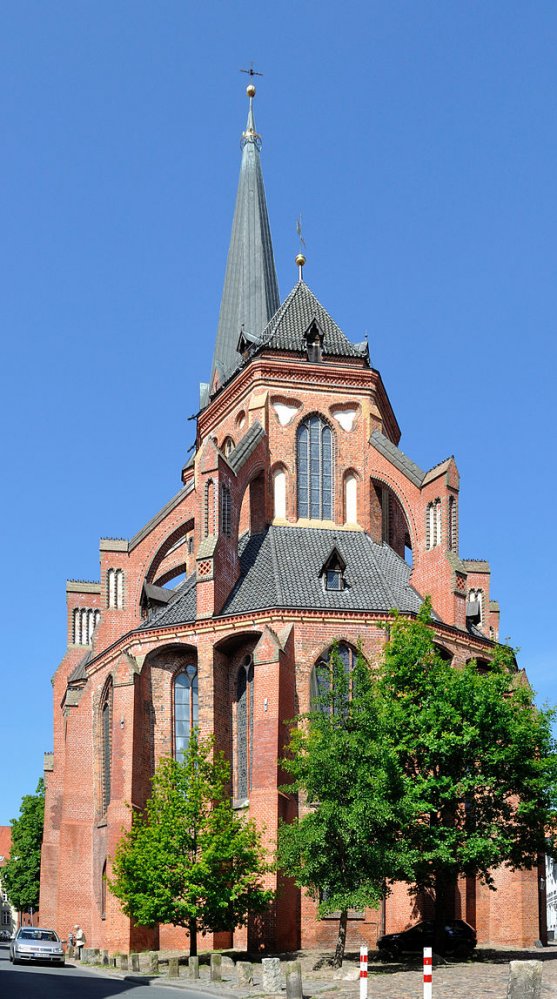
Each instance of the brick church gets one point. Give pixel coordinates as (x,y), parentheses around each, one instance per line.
(299,521)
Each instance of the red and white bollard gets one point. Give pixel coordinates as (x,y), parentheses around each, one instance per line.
(363,972)
(428,972)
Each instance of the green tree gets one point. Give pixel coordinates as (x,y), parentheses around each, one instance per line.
(188,859)
(22,872)
(478,757)
(347,843)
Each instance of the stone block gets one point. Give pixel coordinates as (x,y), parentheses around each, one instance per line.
(271,980)
(154,962)
(173,967)
(525,980)
(124,962)
(193,967)
(134,962)
(244,974)
(216,968)
(104,958)
(294,980)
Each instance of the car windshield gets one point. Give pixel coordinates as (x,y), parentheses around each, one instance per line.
(31,934)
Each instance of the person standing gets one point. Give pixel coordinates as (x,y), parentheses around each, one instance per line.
(79,939)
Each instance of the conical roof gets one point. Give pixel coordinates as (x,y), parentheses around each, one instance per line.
(250,294)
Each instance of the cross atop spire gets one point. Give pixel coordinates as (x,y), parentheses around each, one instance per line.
(250,295)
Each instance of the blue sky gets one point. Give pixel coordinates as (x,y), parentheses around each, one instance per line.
(419,142)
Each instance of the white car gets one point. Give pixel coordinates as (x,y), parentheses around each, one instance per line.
(32,943)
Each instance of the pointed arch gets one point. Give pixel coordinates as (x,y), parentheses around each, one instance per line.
(105,723)
(244,727)
(185,707)
(315,446)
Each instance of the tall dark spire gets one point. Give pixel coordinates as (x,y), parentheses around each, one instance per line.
(250,295)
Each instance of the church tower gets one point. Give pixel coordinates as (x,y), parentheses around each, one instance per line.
(299,523)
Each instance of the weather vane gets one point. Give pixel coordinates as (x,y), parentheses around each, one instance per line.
(300,257)
(251,71)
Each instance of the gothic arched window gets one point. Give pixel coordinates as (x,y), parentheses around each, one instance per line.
(433,524)
(185,709)
(244,728)
(314,454)
(321,676)
(115,588)
(106,746)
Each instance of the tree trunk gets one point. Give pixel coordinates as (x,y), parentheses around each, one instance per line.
(341,940)
(193,937)
(445,886)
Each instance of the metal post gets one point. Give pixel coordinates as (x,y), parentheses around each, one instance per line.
(363,972)
(428,973)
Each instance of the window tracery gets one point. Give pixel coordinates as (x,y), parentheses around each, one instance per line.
(244,728)
(314,459)
(186,708)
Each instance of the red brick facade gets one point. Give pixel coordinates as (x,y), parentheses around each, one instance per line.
(114,689)
(285,644)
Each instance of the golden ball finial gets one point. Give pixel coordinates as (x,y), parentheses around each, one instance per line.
(250,90)
(300,259)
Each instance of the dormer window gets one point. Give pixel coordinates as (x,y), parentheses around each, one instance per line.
(314,342)
(332,571)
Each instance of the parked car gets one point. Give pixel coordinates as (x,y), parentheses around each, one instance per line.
(33,943)
(459,939)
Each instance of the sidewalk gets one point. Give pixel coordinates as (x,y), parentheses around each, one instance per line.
(487,976)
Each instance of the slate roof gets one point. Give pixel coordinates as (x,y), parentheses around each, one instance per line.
(246,446)
(181,608)
(286,329)
(250,295)
(80,671)
(280,568)
(397,457)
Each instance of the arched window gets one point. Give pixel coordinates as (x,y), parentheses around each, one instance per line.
(228,446)
(185,709)
(115,588)
(350,499)
(226,511)
(103,892)
(477,597)
(85,620)
(279,493)
(244,728)
(106,746)
(452,525)
(209,524)
(314,454)
(321,677)
(433,524)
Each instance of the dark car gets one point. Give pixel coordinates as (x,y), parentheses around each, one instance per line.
(459,939)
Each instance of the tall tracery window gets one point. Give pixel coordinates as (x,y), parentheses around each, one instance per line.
(103,892)
(115,588)
(85,620)
(244,728)
(452,525)
(106,746)
(321,677)
(209,524)
(186,709)
(226,511)
(314,454)
(433,524)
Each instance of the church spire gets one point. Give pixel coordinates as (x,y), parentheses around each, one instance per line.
(250,295)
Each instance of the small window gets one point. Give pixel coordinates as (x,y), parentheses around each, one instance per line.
(228,446)
(115,588)
(433,530)
(103,892)
(333,579)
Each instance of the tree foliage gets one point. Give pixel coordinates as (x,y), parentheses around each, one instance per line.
(188,859)
(478,758)
(22,872)
(347,843)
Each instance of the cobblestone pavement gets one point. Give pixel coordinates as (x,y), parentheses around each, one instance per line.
(468,980)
